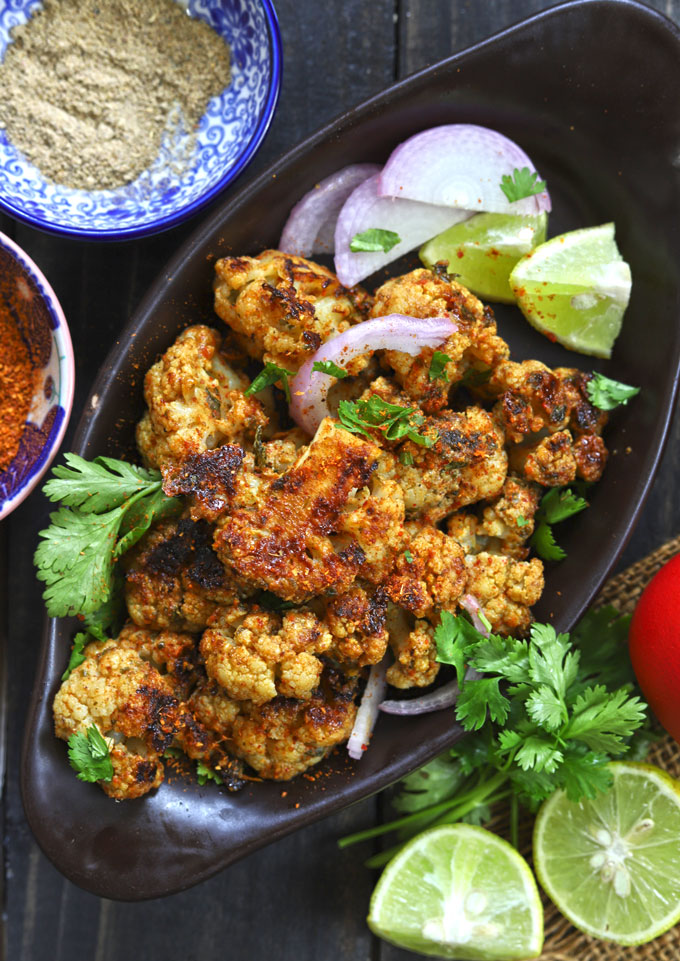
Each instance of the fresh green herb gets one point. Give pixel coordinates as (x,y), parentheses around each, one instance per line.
(374,413)
(108,505)
(374,239)
(522,521)
(522,183)
(556,506)
(205,774)
(474,377)
(271,374)
(406,458)
(438,364)
(548,712)
(409,556)
(80,642)
(328,367)
(605,393)
(88,754)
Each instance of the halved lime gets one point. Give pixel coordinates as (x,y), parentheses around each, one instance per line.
(575,289)
(459,891)
(612,865)
(483,250)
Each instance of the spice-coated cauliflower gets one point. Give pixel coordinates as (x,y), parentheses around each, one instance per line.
(414,648)
(429,575)
(282,308)
(505,588)
(506,524)
(356,620)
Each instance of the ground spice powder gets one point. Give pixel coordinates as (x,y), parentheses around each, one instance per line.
(16,388)
(89,87)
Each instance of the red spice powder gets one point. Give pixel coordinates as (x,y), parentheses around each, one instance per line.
(16,388)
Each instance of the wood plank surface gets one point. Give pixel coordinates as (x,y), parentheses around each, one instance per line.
(301,898)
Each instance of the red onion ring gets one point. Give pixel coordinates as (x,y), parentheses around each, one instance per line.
(459,165)
(309,388)
(367,714)
(470,604)
(310,228)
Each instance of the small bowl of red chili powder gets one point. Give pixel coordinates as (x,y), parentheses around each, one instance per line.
(36,375)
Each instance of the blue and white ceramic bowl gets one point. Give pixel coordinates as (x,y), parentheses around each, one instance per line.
(42,324)
(229,134)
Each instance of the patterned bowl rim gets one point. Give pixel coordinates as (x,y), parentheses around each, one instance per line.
(62,337)
(171,220)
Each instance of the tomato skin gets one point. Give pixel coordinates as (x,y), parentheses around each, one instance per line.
(654,643)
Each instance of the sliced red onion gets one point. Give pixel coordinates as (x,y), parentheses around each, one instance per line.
(434,701)
(367,713)
(309,388)
(459,165)
(310,228)
(470,604)
(364,209)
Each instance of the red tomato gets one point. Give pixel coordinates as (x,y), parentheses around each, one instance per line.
(655,645)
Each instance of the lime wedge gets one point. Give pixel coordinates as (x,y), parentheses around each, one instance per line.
(483,250)
(459,891)
(575,289)
(612,865)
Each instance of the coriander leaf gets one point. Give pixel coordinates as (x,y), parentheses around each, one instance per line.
(80,642)
(107,620)
(539,753)
(602,719)
(543,542)
(142,514)
(438,364)
(271,374)
(506,656)
(546,708)
(551,661)
(559,504)
(88,754)
(476,698)
(601,636)
(75,559)
(408,555)
(373,240)
(99,485)
(522,183)
(605,393)
(478,816)
(430,784)
(584,775)
(532,786)
(521,521)
(205,774)
(406,458)
(476,752)
(392,420)
(454,638)
(328,367)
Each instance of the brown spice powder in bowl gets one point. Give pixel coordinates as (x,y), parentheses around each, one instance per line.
(90,87)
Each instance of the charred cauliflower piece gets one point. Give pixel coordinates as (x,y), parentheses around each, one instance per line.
(131,703)
(195,401)
(414,649)
(506,525)
(330,517)
(174,580)
(172,653)
(531,399)
(282,308)
(475,345)
(429,575)
(256,655)
(505,589)
(549,462)
(356,620)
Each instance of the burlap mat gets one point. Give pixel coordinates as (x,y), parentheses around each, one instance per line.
(562,941)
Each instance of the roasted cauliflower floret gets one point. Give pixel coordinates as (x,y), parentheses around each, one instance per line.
(508,522)
(505,588)
(282,308)
(170,652)
(256,655)
(330,517)
(532,399)
(426,293)
(465,463)
(356,620)
(285,737)
(584,417)
(131,704)
(414,649)
(174,580)
(195,401)
(430,574)
(550,462)
(590,454)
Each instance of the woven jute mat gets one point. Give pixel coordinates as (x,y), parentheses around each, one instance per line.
(562,941)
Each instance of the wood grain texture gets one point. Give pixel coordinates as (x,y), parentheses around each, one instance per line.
(300,898)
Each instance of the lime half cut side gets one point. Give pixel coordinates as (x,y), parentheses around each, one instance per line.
(483,250)
(575,289)
(459,891)
(612,865)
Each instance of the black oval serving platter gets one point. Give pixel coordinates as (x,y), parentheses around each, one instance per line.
(589,90)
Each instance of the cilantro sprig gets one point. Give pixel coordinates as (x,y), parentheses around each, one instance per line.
(605,393)
(522,183)
(392,421)
(328,367)
(437,370)
(88,754)
(556,506)
(543,713)
(373,240)
(271,374)
(108,505)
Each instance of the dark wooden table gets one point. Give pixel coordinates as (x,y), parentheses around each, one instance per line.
(300,898)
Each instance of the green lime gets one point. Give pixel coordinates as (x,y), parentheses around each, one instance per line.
(459,891)
(612,865)
(575,289)
(483,250)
